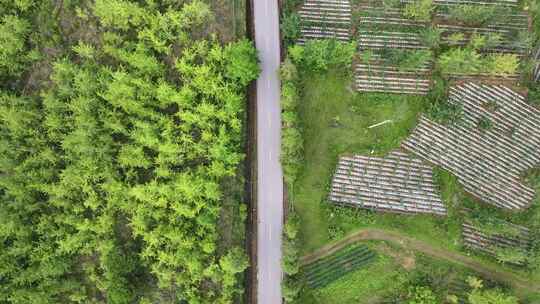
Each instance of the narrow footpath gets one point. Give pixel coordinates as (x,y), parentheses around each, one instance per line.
(522,285)
(269,175)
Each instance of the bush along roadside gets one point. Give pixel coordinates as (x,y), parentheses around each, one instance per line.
(291,23)
(291,284)
(291,134)
(291,159)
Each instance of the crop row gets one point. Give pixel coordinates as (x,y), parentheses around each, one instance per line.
(496,140)
(325,271)
(395,183)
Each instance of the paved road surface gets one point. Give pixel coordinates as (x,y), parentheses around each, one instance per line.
(270,180)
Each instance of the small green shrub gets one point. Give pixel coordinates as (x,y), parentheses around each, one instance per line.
(445,113)
(407,60)
(391,3)
(491,296)
(485,123)
(419,10)
(291,5)
(477,15)
(534,10)
(468,61)
(290,289)
(456,38)
(479,295)
(292,142)
(320,55)
(511,255)
(291,28)
(14,55)
(521,40)
(431,37)
(493,40)
(474,282)
(290,262)
(460,61)
(421,295)
(477,41)
(290,257)
(366,56)
(439,89)
(534,95)
(502,64)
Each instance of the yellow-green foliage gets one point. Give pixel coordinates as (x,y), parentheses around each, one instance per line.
(419,10)
(291,135)
(503,64)
(477,15)
(491,296)
(14,52)
(111,176)
(321,55)
(469,61)
(481,295)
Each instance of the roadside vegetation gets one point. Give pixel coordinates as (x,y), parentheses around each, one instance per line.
(121,129)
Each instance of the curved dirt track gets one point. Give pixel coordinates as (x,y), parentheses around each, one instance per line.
(523,286)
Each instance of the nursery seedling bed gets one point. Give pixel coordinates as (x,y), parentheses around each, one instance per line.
(488,162)
(395,183)
(476,239)
(325,19)
(329,269)
(377,75)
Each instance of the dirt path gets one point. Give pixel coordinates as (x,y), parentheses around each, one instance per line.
(522,285)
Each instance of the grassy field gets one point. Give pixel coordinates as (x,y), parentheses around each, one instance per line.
(335,121)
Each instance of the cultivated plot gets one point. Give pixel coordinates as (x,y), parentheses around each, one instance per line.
(511,241)
(395,183)
(496,141)
(323,19)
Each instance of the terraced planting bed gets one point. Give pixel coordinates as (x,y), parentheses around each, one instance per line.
(377,75)
(395,183)
(375,15)
(329,269)
(380,28)
(479,239)
(325,19)
(499,38)
(496,141)
(507,32)
(458,287)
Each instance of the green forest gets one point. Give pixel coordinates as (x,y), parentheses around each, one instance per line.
(121,123)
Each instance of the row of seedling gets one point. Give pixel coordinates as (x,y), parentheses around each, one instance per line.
(329,269)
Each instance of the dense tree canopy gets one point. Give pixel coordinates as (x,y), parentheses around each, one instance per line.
(111,172)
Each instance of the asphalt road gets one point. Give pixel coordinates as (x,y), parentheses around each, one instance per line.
(269,178)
